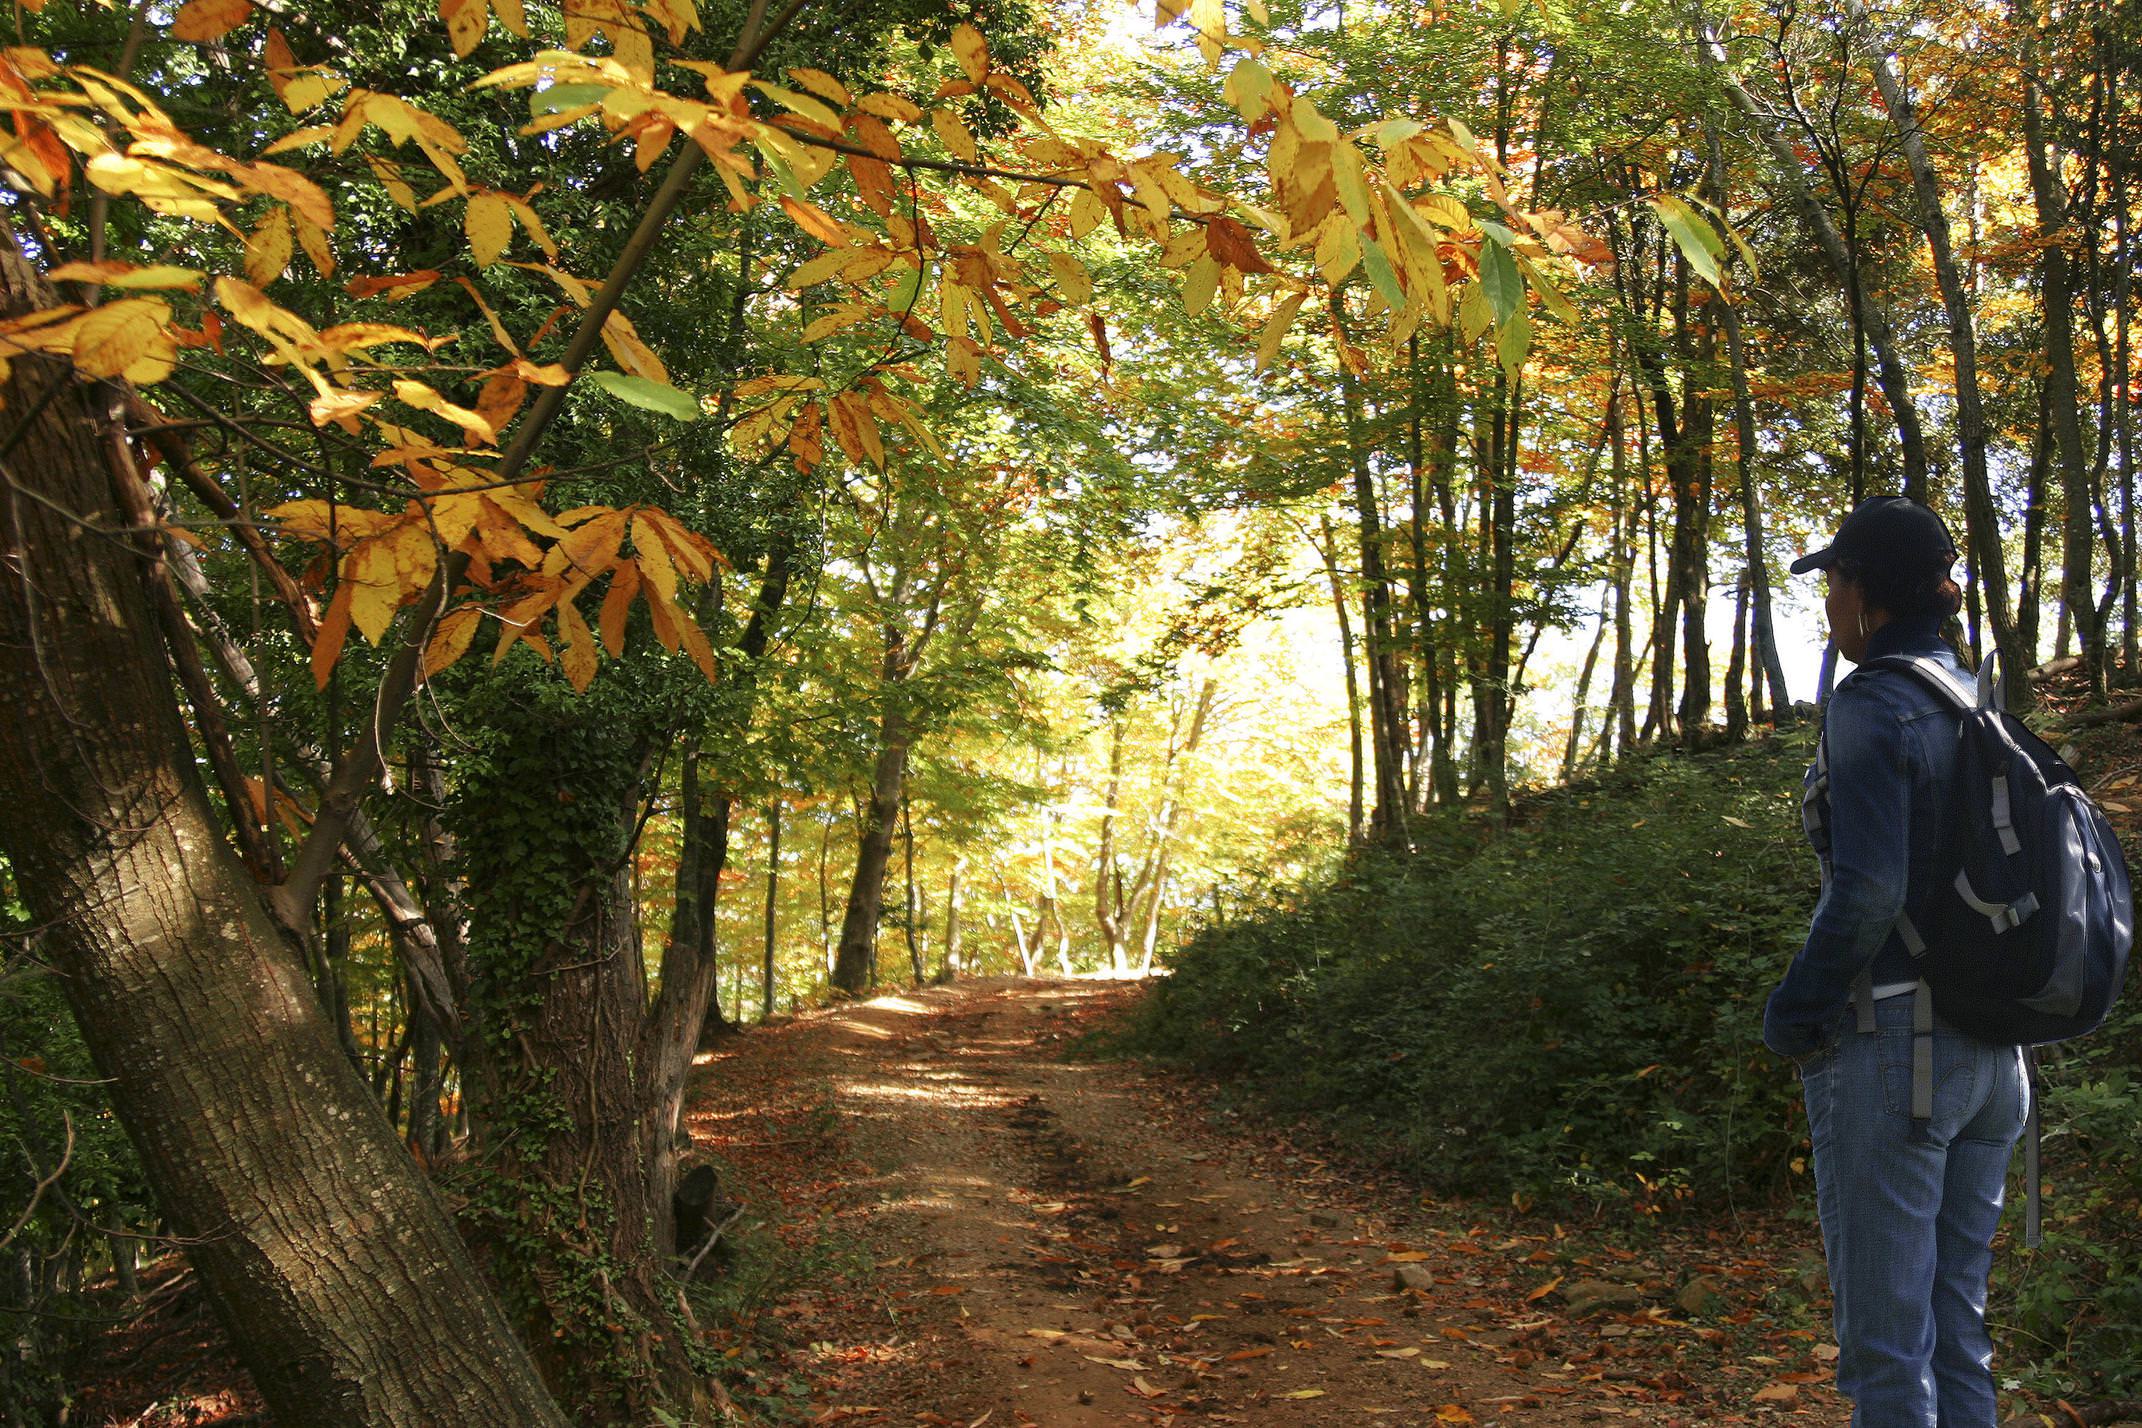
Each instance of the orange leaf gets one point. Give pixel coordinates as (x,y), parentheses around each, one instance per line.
(450,641)
(616,605)
(203,21)
(814,221)
(334,629)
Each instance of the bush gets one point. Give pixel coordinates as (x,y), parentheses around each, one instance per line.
(1568,1010)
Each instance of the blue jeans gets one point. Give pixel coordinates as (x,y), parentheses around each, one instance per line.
(1908,1214)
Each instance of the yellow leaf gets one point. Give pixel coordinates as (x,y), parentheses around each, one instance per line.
(1200,283)
(1071,276)
(341,406)
(489,224)
(307,90)
(635,356)
(375,586)
(298,139)
(450,641)
(953,134)
(815,221)
(113,273)
(423,398)
(306,198)
(130,339)
(1304,1393)
(824,85)
(389,175)
(616,605)
(466,20)
(1275,331)
(577,658)
(313,239)
(513,15)
(203,21)
(268,247)
(971,50)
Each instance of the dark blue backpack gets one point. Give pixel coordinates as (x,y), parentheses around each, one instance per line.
(2028,941)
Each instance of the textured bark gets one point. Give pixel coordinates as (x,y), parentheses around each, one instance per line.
(346,1292)
(854,963)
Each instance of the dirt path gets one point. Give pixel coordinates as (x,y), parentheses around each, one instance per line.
(1052,1241)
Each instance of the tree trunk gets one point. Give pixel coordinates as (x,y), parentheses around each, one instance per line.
(1584,693)
(1762,632)
(1386,684)
(953,930)
(910,902)
(855,963)
(1356,827)
(773,897)
(251,1126)
(1108,910)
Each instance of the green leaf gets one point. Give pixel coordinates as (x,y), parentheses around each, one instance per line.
(1248,87)
(647,394)
(1499,276)
(1725,226)
(560,97)
(1377,264)
(1513,340)
(1551,296)
(1696,239)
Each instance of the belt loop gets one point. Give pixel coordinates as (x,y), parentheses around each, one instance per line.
(1863,999)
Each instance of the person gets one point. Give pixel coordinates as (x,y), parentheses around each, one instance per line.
(1908,1202)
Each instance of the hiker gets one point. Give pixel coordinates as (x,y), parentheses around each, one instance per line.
(1910,1162)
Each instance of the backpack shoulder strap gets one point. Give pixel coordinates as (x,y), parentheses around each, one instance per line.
(1935,675)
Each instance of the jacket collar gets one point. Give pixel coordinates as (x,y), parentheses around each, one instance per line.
(1916,634)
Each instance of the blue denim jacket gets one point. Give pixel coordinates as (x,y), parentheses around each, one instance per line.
(1891,757)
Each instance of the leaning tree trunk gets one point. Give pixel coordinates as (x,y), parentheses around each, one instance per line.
(345,1290)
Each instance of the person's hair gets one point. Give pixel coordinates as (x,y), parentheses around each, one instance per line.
(1904,592)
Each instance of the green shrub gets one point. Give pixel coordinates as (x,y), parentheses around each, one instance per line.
(1568,1010)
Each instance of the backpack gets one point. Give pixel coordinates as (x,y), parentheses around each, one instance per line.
(2028,942)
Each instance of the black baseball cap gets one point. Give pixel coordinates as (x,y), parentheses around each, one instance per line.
(1885,530)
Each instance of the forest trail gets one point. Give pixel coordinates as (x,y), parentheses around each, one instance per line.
(1035,1239)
